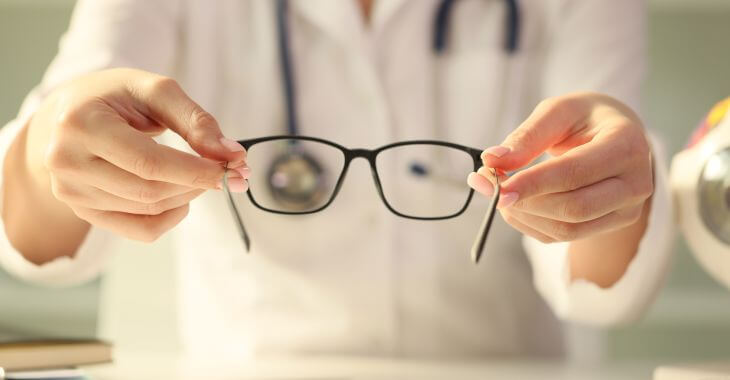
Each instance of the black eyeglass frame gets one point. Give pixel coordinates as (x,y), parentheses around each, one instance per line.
(371,156)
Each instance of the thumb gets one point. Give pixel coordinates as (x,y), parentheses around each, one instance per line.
(551,122)
(165,101)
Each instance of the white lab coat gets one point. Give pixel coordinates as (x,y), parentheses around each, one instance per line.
(356,278)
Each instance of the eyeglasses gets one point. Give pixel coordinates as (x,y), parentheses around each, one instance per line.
(421,179)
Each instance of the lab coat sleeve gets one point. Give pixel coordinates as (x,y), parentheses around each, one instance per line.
(628,299)
(102,34)
(599,46)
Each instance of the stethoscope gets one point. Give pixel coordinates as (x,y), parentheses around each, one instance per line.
(296,179)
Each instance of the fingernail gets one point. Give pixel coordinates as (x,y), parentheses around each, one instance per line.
(496,151)
(237,185)
(231,145)
(508,199)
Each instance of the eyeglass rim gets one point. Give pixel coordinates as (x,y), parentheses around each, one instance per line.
(370,155)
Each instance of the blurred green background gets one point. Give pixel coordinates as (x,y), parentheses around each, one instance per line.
(689,72)
(29,32)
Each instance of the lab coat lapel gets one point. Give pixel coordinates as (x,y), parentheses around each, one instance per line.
(339,19)
(384,10)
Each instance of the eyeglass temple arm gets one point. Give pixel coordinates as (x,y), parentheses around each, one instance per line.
(478,248)
(236,214)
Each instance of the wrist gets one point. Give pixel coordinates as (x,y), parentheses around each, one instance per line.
(38,225)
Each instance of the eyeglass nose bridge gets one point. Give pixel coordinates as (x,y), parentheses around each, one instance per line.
(361,153)
(369,156)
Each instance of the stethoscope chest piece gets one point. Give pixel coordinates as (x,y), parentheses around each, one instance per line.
(297,181)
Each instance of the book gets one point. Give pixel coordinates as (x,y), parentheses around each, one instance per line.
(46,374)
(35,355)
(700,371)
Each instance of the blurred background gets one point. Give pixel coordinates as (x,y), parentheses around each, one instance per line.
(689,72)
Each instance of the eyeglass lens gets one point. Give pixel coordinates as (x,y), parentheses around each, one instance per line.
(417,180)
(425,181)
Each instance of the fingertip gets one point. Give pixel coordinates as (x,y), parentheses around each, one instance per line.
(237,185)
(231,145)
(495,151)
(470,179)
(506,163)
(480,184)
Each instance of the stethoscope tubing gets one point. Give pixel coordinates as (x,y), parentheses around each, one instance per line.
(439,43)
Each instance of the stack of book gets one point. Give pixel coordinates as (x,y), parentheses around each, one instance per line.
(54,359)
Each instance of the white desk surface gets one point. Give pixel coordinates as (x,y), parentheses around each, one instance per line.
(167,366)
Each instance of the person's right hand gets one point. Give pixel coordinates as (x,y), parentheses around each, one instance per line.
(91,143)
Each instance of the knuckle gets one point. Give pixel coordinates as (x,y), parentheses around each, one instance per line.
(163,85)
(154,226)
(58,158)
(83,214)
(62,191)
(76,113)
(632,216)
(522,204)
(644,189)
(525,136)
(634,145)
(203,123)
(153,209)
(574,173)
(147,166)
(641,188)
(72,117)
(558,105)
(202,120)
(549,104)
(576,210)
(207,179)
(562,231)
(149,194)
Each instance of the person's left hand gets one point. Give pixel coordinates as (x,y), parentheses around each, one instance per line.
(598,178)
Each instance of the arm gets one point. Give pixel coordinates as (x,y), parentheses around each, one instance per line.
(612,61)
(604,258)
(65,154)
(594,46)
(101,34)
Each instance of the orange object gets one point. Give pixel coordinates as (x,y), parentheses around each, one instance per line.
(716,115)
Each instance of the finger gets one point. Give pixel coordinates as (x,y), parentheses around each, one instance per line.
(236,183)
(488,173)
(164,100)
(139,154)
(552,121)
(526,230)
(579,167)
(82,195)
(146,228)
(481,184)
(105,176)
(564,231)
(584,204)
